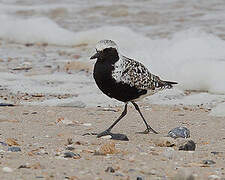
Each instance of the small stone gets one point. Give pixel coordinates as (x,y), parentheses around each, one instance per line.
(87,124)
(139,178)
(179,132)
(70,148)
(216,153)
(11,142)
(24,166)
(71,155)
(7,169)
(14,149)
(3,144)
(69,141)
(213,177)
(110,169)
(185,145)
(208,162)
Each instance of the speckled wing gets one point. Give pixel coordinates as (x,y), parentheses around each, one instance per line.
(134,73)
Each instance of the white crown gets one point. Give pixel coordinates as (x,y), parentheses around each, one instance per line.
(103,44)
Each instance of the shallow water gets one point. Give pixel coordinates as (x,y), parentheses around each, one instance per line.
(177,40)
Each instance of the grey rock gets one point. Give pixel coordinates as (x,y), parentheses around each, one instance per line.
(14,149)
(110,169)
(3,144)
(71,155)
(208,162)
(139,178)
(70,148)
(187,145)
(179,132)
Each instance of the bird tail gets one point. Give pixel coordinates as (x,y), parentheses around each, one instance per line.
(169,84)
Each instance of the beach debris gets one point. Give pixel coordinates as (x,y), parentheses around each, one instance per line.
(14,149)
(70,154)
(12,142)
(107,148)
(69,141)
(208,162)
(110,169)
(26,166)
(7,169)
(179,132)
(186,145)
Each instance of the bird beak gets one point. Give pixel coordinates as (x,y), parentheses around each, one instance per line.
(95,56)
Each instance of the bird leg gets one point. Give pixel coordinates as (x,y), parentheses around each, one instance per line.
(149,128)
(108,131)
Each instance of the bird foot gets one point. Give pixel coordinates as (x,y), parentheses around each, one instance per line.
(148,130)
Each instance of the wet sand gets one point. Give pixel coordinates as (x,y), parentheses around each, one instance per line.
(43,135)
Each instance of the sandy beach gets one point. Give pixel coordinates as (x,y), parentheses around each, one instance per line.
(44,134)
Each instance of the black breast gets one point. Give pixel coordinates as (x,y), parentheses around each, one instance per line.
(118,90)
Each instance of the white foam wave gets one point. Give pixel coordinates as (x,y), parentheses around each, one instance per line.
(193,58)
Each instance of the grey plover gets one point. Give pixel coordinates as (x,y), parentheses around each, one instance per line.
(124,79)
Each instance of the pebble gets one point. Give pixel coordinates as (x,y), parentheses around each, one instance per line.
(110,169)
(7,169)
(71,155)
(3,144)
(208,162)
(139,178)
(14,149)
(179,132)
(6,104)
(186,145)
(70,148)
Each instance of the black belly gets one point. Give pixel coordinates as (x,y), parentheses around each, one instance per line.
(120,91)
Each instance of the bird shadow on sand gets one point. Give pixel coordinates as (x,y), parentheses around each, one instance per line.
(114,136)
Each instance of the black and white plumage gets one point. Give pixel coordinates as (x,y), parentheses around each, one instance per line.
(124,79)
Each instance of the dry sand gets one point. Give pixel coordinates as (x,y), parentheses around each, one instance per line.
(42,133)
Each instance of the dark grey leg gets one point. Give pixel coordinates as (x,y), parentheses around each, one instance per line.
(108,131)
(148,126)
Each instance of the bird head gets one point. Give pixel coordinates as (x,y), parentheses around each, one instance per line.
(106,49)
